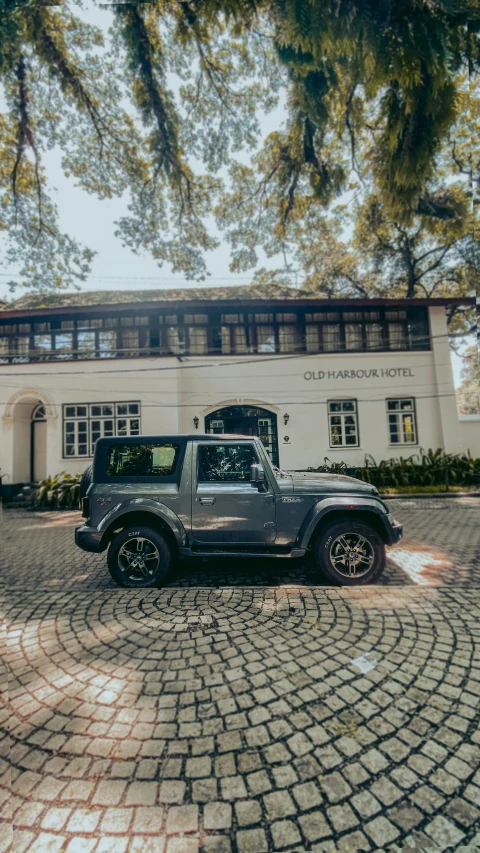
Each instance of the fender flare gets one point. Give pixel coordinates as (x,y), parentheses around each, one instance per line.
(328,505)
(144,505)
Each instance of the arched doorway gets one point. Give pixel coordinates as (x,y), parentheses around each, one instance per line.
(246,420)
(28,418)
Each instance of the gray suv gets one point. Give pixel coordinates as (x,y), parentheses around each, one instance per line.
(154,497)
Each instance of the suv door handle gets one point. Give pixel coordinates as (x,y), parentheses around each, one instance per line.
(207,501)
(269,499)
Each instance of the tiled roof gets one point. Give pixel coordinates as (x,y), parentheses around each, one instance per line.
(185,294)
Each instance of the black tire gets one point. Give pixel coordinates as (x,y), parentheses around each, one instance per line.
(85,482)
(332,556)
(123,562)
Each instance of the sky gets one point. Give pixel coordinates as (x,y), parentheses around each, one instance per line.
(92,223)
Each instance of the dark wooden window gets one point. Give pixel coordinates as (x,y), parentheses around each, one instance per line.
(212,331)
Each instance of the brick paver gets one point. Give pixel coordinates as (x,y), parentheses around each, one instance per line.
(225,713)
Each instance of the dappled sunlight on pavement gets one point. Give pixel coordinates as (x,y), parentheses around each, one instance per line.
(46,520)
(424,566)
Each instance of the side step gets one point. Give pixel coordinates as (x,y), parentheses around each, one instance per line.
(217,552)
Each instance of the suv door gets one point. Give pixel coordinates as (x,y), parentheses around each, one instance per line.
(227,509)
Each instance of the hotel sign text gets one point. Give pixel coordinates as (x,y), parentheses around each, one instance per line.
(372,373)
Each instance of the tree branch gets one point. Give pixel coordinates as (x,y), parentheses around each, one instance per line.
(26,137)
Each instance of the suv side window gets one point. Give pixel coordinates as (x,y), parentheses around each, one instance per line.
(142,460)
(225,462)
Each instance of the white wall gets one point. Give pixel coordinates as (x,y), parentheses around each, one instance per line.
(173,393)
(469,436)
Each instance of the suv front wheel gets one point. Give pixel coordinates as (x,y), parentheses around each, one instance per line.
(139,557)
(350,553)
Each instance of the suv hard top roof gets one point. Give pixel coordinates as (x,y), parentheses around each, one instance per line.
(146,439)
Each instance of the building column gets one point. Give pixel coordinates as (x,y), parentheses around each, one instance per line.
(6,446)
(54,441)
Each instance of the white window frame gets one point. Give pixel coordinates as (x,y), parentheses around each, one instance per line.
(398,415)
(118,417)
(217,425)
(342,414)
(77,420)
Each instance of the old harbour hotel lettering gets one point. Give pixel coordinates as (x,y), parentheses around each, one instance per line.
(372,373)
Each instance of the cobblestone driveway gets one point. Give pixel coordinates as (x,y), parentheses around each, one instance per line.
(229,710)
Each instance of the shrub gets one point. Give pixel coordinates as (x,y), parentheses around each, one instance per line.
(59,492)
(426,468)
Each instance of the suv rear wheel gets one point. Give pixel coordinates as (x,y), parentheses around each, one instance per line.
(350,553)
(139,557)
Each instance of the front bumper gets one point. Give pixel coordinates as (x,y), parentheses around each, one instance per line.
(89,539)
(395,532)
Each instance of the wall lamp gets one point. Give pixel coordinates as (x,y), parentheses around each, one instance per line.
(286,419)
(196,422)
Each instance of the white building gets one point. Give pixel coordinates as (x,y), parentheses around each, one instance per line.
(313,377)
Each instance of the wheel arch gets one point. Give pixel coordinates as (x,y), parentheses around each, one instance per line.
(161,519)
(326,513)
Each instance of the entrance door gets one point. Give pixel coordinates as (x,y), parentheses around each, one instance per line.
(38,445)
(39,451)
(246,420)
(227,509)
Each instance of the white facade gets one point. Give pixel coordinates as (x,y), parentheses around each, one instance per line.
(171,394)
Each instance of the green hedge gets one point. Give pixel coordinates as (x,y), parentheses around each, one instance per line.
(426,468)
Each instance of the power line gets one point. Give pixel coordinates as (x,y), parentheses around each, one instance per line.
(155,278)
(238,391)
(209,402)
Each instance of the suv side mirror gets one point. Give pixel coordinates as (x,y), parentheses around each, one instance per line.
(257,473)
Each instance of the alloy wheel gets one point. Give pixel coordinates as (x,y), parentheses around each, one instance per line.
(138,558)
(351,554)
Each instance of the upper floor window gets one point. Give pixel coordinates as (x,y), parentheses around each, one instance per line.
(200,334)
(42,343)
(265,338)
(232,318)
(4,348)
(402,427)
(343,423)
(198,340)
(88,323)
(397,335)
(332,337)
(130,342)
(374,336)
(195,318)
(286,318)
(288,338)
(353,336)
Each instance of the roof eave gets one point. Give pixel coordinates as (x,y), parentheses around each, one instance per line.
(181,305)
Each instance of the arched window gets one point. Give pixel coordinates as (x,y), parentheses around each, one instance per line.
(39,413)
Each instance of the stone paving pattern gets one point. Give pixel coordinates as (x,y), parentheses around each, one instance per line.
(224,713)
